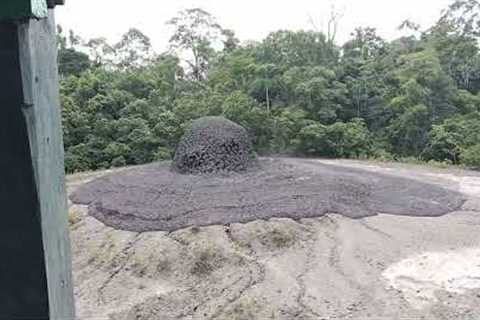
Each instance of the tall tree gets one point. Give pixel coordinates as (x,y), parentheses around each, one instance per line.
(70,60)
(101,52)
(134,50)
(196,32)
(462,16)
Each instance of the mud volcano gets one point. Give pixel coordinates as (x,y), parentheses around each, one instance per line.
(210,184)
(213,145)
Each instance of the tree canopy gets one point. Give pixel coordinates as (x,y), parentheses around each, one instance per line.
(296,92)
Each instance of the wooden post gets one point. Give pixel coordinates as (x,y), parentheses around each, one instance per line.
(35,262)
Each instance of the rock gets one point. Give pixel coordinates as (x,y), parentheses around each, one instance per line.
(213,144)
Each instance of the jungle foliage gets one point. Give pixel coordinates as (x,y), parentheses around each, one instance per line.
(296,92)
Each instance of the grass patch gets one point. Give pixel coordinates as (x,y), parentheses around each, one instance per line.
(74,217)
(278,239)
(247,309)
(206,262)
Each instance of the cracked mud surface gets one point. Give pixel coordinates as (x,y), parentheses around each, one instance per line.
(153,198)
(329,267)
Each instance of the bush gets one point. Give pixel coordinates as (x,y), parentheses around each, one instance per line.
(448,140)
(163,154)
(312,140)
(440,164)
(75,163)
(119,162)
(471,157)
(343,140)
(115,151)
(77,159)
(382,155)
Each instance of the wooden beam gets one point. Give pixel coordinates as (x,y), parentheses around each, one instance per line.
(35,273)
(22,270)
(38,58)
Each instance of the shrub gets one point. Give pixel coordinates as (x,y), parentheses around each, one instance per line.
(382,155)
(119,162)
(163,154)
(342,140)
(471,157)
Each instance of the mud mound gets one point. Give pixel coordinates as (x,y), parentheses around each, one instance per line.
(213,144)
(155,198)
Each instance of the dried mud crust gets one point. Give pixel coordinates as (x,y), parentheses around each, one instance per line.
(155,198)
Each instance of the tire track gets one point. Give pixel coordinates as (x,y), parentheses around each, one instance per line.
(335,262)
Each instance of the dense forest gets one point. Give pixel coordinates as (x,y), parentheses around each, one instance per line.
(417,97)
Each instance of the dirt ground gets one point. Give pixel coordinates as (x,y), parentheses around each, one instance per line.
(330,267)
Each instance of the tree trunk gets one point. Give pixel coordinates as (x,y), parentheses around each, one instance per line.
(267,95)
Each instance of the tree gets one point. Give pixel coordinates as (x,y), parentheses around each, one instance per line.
(409,25)
(165,73)
(230,41)
(265,87)
(423,82)
(365,45)
(463,17)
(234,71)
(443,143)
(455,36)
(416,96)
(295,49)
(317,91)
(450,139)
(366,68)
(471,156)
(72,62)
(347,140)
(196,32)
(61,39)
(101,52)
(134,50)
(409,132)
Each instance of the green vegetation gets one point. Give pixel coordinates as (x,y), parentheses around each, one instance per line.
(207,261)
(74,217)
(296,92)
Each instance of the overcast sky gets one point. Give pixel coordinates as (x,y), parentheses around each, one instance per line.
(250,19)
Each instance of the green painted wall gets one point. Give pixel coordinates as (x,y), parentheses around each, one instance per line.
(18,9)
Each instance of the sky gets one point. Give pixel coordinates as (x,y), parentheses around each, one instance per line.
(250,19)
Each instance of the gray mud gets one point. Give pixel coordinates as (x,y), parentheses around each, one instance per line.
(214,145)
(155,198)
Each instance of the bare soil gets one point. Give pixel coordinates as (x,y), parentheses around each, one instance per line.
(381,266)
